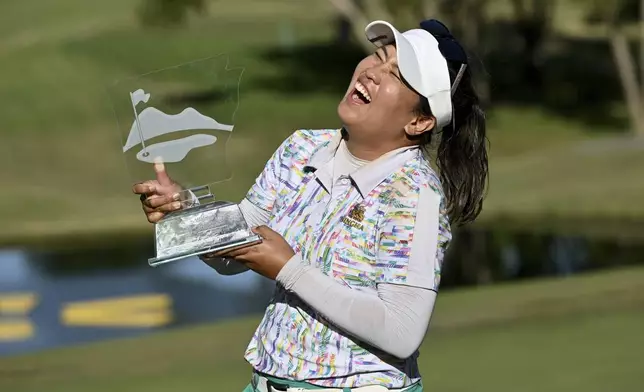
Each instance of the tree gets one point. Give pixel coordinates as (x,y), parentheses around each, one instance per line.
(615,15)
(533,21)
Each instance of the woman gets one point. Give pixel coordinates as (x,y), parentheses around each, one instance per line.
(355,222)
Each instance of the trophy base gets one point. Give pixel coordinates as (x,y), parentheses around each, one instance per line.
(202,229)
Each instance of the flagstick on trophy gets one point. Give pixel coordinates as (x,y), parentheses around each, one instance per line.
(137,97)
(203,224)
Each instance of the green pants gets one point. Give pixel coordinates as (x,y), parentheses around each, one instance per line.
(301,384)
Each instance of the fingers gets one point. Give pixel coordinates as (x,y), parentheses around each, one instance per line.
(162,185)
(154,217)
(263,231)
(234,252)
(169,207)
(159,196)
(162,175)
(145,188)
(240,254)
(155,214)
(157,201)
(156,207)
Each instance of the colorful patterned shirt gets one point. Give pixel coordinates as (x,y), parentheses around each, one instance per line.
(386,223)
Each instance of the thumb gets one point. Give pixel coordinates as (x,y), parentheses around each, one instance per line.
(162,175)
(264,231)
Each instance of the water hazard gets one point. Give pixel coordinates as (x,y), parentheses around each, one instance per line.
(72,296)
(57,299)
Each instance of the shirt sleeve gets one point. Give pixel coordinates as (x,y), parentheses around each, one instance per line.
(408,244)
(395,320)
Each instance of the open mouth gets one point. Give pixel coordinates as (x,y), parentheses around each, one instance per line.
(360,95)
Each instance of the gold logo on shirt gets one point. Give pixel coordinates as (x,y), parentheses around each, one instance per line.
(355,217)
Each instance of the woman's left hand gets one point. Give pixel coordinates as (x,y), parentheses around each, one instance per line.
(266,258)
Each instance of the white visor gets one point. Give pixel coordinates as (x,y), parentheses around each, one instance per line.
(421,64)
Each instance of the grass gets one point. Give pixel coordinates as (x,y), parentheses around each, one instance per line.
(66,176)
(574,334)
(584,176)
(58,134)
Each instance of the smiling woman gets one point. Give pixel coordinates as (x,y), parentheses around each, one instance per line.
(355,222)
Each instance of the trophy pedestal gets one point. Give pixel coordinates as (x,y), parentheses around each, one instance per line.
(201,229)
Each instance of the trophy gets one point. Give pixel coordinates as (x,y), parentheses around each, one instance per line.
(182,117)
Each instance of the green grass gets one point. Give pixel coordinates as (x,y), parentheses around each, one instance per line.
(574,334)
(64,175)
(59,138)
(573,175)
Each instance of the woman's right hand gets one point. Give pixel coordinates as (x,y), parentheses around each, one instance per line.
(160,196)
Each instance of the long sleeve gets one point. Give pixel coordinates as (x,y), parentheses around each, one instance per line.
(395,320)
(254,216)
(396,317)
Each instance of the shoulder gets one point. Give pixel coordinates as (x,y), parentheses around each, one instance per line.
(294,153)
(414,193)
(428,181)
(417,182)
(301,144)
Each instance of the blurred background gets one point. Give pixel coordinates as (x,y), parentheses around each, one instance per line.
(544,292)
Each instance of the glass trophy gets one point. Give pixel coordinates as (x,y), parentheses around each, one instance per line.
(182,117)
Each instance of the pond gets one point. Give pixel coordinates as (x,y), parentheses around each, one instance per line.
(57,299)
(71,296)
(487,256)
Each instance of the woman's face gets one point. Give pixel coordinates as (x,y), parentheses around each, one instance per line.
(378,106)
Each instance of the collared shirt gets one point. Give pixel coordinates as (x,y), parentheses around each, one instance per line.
(385,223)
(345,163)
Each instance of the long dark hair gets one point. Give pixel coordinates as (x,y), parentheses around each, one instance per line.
(462,153)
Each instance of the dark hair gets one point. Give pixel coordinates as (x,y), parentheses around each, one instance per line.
(462,153)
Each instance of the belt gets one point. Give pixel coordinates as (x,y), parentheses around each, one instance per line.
(265,385)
